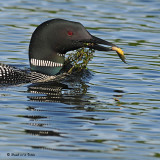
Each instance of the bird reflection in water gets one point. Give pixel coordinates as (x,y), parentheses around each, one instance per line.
(71,91)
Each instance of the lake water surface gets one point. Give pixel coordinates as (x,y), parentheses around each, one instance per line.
(111,113)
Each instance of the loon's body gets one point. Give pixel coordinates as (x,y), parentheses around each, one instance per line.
(48,45)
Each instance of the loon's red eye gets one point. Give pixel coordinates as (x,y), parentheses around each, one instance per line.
(70,33)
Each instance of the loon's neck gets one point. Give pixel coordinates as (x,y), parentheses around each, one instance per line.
(47,65)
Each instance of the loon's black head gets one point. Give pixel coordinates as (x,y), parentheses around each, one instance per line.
(52,39)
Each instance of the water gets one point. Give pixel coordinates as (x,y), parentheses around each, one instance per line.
(113,113)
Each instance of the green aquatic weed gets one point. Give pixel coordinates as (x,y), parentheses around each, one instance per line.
(79,59)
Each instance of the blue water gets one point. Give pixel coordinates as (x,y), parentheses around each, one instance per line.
(112,113)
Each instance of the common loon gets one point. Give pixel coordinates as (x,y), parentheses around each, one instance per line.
(49,43)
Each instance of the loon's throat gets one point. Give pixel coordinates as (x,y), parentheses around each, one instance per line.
(47,66)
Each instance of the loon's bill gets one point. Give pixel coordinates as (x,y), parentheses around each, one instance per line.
(94,44)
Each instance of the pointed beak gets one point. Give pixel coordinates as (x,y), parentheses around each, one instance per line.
(94,43)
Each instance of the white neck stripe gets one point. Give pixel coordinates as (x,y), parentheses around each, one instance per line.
(45,63)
